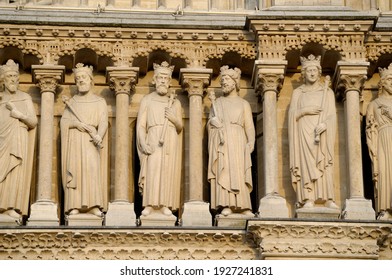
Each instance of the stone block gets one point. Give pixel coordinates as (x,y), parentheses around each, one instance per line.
(120,214)
(84,219)
(43,214)
(196,213)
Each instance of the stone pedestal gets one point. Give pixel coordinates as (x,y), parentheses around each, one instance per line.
(350,78)
(232,221)
(43,214)
(44,210)
(196,211)
(268,79)
(84,220)
(157,219)
(121,212)
(317,213)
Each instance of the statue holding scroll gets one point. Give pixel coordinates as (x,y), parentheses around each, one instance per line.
(159,145)
(84,148)
(17,135)
(312,129)
(231,139)
(379,141)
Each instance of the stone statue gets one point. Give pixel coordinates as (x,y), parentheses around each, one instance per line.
(312,129)
(17,136)
(84,148)
(159,144)
(231,139)
(379,141)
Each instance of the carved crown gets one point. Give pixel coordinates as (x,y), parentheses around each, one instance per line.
(311,60)
(385,71)
(235,73)
(81,68)
(163,67)
(9,66)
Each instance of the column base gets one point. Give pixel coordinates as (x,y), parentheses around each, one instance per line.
(157,219)
(120,214)
(196,213)
(319,213)
(273,206)
(84,220)
(43,213)
(358,209)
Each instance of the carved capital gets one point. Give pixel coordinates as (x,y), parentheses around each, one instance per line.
(269,76)
(48,77)
(122,80)
(350,77)
(195,81)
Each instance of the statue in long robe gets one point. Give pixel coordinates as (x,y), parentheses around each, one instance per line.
(159,145)
(312,129)
(379,141)
(231,139)
(84,148)
(17,136)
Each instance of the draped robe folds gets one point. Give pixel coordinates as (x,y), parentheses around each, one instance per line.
(229,165)
(160,172)
(84,165)
(311,164)
(379,141)
(17,142)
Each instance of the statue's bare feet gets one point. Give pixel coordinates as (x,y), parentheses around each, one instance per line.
(166,211)
(226,211)
(147,211)
(96,211)
(331,204)
(74,212)
(13,214)
(309,204)
(248,213)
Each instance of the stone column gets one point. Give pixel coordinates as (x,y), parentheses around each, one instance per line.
(121,212)
(268,78)
(196,211)
(44,210)
(350,78)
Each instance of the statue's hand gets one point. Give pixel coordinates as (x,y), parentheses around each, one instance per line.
(146,149)
(215,122)
(312,110)
(320,128)
(97,140)
(82,127)
(250,146)
(169,114)
(15,113)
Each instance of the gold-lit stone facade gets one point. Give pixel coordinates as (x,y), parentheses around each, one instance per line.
(264,39)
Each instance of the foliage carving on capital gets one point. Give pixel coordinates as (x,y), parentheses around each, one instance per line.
(269,82)
(122,85)
(195,86)
(351,82)
(47,83)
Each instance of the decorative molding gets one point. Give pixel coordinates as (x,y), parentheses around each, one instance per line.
(125,244)
(350,76)
(196,80)
(48,77)
(122,80)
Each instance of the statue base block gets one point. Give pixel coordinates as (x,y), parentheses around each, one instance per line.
(232,221)
(196,213)
(120,214)
(84,220)
(43,214)
(358,209)
(158,219)
(6,220)
(273,206)
(318,212)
